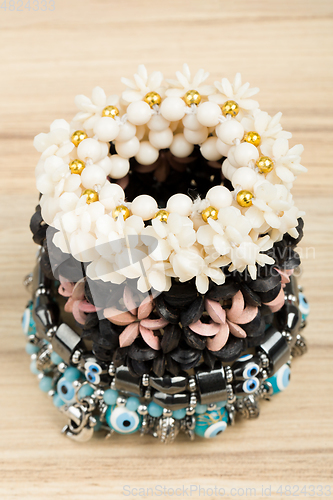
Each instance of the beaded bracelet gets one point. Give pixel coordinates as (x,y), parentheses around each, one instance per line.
(164,296)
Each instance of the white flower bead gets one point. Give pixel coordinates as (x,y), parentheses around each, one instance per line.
(181,204)
(228,170)
(244,177)
(180,147)
(89,149)
(82,246)
(173,108)
(147,154)
(222,147)
(106,129)
(120,166)
(126,131)
(144,206)
(230,130)
(93,175)
(191,122)
(161,140)
(68,201)
(106,164)
(69,222)
(139,112)
(196,136)
(44,184)
(209,113)
(158,123)
(219,197)
(209,151)
(127,149)
(244,153)
(111,195)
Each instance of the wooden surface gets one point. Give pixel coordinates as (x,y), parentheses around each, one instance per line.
(46,58)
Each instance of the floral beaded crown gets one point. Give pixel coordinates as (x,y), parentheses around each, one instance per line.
(163,296)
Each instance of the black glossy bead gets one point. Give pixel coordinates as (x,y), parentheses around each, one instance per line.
(211,385)
(251,297)
(266,284)
(271,294)
(126,382)
(255,327)
(209,359)
(294,241)
(140,351)
(137,368)
(120,355)
(45,314)
(65,342)
(223,292)
(166,311)
(232,349)
(38,227)
(158,365)
(171,337)
(101,353)
(185,355)
(181,294)
(277,349)
(193,339)
(169,384)
(172,401)
(292,261)
(193,312)
(172,366)
(291,288)
(254,341)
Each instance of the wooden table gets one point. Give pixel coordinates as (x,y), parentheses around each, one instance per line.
(47,57)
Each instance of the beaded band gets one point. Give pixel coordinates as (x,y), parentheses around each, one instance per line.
(160,310)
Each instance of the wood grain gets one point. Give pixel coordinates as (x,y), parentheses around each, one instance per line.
(46,58)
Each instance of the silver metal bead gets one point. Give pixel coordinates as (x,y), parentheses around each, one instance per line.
(121,401)
(62,367)
(192,384)
(228,374)
(51,393)
(190,411)
(193,400)
(99,393)
(112,370)
(211,407)
(142,410)
(76,357)
(167,413)
(145,380)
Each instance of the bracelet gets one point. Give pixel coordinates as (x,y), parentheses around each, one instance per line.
(164,296)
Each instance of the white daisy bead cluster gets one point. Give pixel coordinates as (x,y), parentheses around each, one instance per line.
(82,197)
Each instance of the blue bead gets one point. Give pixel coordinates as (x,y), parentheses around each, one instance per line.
(280,380)
(199,409)
(85,391)
(154,409)
(179,414)
(57,401)
(56,359)
(110,397)
(303,306)
(46,384)
(31,348)
(98,425)
(132,403)
(71,374)
(211,423)
(33,368)
(220,404)
(122,420)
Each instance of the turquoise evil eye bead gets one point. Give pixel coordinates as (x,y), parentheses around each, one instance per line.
(92,372)
(211,423)
(28,324)
(303,306)
(65,390)
(46,384)
(122,420)
(154,409)
(280,380)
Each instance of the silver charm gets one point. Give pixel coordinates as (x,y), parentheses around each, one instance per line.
(81,424)
(247,407)
(300,346)
(167,428)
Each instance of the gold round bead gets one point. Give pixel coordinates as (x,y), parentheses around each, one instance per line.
(162,215)
(110,111)
(78,136)
(230,108)
(152,98)
(77,166)
(192,97)
(120,210)
(209,212)
(265,164)
(253,138)
(244,198)
(92,196)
